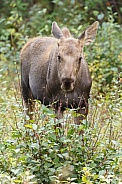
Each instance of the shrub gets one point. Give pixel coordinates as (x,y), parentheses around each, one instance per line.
(39,151)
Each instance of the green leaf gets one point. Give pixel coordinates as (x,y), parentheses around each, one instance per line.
(34,145)
(28,126)
(34,126)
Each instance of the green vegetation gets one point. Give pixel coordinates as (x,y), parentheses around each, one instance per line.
(38,151)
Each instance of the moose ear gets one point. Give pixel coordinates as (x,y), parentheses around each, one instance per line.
(89,34)
(56,31)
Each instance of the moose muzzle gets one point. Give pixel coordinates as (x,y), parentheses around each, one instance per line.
(67,84)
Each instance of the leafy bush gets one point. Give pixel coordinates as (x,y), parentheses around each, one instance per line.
(39,151)
(105,55)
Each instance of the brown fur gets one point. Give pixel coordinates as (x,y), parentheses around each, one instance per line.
(66,33)
(54,69)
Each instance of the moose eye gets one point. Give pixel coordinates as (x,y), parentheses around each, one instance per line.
(59,58)
(80,59)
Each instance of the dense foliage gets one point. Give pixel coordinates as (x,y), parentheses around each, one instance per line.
(38,150)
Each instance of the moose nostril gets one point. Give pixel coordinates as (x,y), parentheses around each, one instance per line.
(67,80)
(67,84)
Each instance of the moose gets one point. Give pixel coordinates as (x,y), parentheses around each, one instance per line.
(54,71)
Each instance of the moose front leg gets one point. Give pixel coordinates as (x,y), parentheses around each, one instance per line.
(81,114)
(27,100)
(29,108)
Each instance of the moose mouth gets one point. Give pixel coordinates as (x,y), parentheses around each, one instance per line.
(67,85)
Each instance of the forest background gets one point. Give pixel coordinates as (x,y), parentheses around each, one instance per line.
(40,152)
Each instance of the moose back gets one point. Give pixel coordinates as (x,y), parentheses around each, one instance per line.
(53,69)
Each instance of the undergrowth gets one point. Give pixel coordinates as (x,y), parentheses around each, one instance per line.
(39,151)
